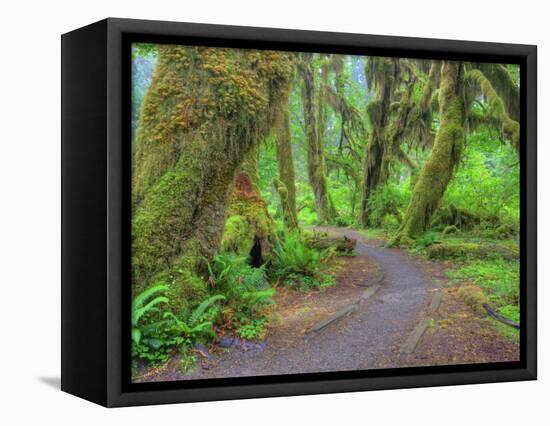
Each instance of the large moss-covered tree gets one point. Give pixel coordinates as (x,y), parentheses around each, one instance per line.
(445,155)
(469,96)
(205,111)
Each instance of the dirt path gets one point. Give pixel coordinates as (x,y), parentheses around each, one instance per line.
(368,338)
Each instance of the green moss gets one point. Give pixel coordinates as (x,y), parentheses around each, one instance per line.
(193,88)
(238,235)
(473,297)
(187,289)
(450,229)
(471,250)
(446,251)
(286,184)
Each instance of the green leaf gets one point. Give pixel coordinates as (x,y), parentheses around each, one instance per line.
(136,335)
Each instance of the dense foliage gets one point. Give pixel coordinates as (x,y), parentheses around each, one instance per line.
(236,152)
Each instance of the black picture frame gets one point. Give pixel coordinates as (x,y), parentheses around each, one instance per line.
(96,214)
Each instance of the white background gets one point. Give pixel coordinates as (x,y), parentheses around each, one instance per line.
(30,211)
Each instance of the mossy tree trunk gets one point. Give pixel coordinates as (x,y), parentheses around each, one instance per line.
(315,156)
(444,158)
(286,184)
(205,111)
(383,73)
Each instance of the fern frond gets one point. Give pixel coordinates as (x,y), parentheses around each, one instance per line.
(140,299)
(139,312)
(201,309)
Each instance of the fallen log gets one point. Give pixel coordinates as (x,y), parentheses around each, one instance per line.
(473,250)
(340,244)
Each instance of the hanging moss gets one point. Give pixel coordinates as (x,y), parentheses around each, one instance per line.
(384,75)
(508,127)
(503,83)
(206,109)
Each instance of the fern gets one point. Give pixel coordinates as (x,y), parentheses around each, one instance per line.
(201,309)
(138,307)
(143,296)
(139,312)
(257,299)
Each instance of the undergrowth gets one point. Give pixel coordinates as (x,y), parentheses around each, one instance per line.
(297,265)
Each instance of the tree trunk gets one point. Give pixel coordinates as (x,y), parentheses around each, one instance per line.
(286,185)
(384,75)
(316,162)
(205,111)
(444,158)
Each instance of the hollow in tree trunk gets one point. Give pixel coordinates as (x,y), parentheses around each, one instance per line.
(249,229)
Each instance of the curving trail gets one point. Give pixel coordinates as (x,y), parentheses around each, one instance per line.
(369,337)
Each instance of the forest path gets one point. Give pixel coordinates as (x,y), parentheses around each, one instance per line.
(368,337)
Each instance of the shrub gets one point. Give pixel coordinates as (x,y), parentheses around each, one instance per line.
(246,288)
(473,297)
(427,239)
(255,329)
(297,264)
(387,200)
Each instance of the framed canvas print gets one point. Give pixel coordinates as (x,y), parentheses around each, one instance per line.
(252,212)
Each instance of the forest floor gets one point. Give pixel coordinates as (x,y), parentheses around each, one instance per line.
(388,309)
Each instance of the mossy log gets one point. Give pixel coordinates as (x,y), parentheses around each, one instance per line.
(342,245)
(457,217)
(205,110)
(472,250)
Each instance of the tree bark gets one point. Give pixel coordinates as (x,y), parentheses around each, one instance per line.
(316,162)
(444,158)
(286,184)
(205,111)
